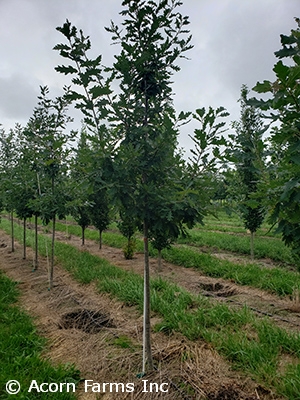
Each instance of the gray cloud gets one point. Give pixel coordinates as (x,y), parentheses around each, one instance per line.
(17,97)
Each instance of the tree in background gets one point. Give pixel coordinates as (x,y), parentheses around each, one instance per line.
(25,193)
(283,107)
(207,157)
(92,95)
(46,129)
(100,180)
(99,209)
(247,153)
(128,227)
(79,189)
(10,186)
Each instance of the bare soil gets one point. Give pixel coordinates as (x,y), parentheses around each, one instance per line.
(112,352)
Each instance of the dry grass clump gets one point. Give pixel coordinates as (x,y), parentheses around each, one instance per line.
(193,371)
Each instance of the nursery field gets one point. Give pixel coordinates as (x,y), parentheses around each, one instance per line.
(223,326)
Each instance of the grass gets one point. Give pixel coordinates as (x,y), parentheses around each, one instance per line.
(112,239)
(279,281)
(124,342)
(264,247)
(276,280)
(253,345)
(234,227)
(20,350)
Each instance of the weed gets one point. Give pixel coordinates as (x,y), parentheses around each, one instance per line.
(129,249)
(124,342)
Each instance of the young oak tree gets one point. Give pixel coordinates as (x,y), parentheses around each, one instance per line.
(152,38)
(283,107)
(30,150)
(10,185)
(247,153)
(207,155)
(46,130)
(92,95)
(79,205)
(139,150)
(128,227)
(175,211)
(26,190)
(99,210)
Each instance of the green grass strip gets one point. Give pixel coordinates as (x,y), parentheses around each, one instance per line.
(20,351)
(253,345)
(264,247)
(276,280)
(223,220)
(112,239)
(220,226)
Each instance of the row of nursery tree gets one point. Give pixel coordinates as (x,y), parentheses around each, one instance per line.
(125,163)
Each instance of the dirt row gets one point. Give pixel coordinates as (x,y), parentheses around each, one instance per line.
(111,352)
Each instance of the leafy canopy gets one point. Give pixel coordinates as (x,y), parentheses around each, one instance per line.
(283,107)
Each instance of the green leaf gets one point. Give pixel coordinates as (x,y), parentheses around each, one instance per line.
(264,87)
(286,52)
(199,113)
(281,70)
(72,96)
(62,46)
(287,39)
(98,91)
(184,115)
(66,70)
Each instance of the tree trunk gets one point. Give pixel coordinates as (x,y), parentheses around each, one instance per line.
(147,353)
(252,246)
(24,239)
(36,255)
(67,230)
(52,244)
(100,239)
(159,261)
(12,232)
(82,235)
(52,255)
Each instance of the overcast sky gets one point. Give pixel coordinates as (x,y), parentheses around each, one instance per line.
(234,43)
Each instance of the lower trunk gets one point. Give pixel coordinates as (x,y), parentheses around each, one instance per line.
(147,352)
(67,231)
(100,239)
(12,232)
(252,245)
(159,261)
(24,239)
(82,235)
(52,255)
(36,262)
